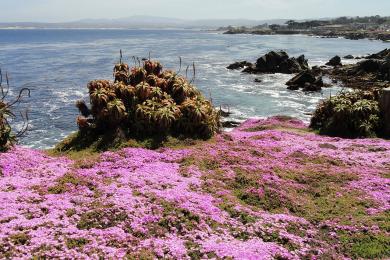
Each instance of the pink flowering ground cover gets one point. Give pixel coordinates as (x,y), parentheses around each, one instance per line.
(270,189)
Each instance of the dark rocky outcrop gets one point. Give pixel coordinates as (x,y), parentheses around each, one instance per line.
(371,65)
(349,57)
(316,70)
(371,73)
(239,65)
(335,61)
(230,124)
(307,81)
(356,36)
(383,37)
(380,55)
(379,68)
(278,62)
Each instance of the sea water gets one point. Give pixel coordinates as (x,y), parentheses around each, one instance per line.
(57,65)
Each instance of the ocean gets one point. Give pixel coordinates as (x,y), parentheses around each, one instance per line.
(57,64)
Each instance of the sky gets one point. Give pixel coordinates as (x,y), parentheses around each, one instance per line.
(73,10)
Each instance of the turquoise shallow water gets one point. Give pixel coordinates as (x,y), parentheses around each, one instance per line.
(57,64)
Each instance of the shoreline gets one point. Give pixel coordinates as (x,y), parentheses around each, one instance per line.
(379,36)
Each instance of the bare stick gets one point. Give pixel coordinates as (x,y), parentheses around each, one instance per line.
(1,86)
(194,71)
(19,97)
(25,126)
(187,70)
(179,65)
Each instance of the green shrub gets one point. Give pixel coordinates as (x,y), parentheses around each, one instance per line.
(7,138)
(349,114)
(147,101)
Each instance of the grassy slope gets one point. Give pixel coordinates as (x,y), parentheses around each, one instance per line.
(268,189)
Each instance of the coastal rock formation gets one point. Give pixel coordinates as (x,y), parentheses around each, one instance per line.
(371,73)
(230,124)
(380,55)
(239,65)
(335,61)
(274,62)
(306,80)
(349,57)
(278,62)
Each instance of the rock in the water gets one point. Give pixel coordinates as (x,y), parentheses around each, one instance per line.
(230,124)
(335,61)
(349,57)
(278,62)
(305,80)
(371,65)
(239,65)
(303,62)
(271,61)
(257,80)
(316,86)
(290,66)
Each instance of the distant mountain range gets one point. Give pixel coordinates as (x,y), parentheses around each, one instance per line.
(151,22)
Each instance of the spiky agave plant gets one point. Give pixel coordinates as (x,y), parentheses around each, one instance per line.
(126,93)
(121,73)
(143,91)
(162,83)
(98,84)
(152,101)
(182,90)
(156,92)
(195,110)
(168,74)
(99,98)
(152,80)
(144,116)
(137,76)
(198,118)
(166,116)
(116,110)
(153,67)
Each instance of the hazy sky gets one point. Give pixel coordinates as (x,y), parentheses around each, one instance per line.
(68,10)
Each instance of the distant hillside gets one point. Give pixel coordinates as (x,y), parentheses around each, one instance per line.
(134,22)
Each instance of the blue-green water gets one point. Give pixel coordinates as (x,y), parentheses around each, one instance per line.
(57,64)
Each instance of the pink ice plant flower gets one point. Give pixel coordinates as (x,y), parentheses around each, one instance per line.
(137,201)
